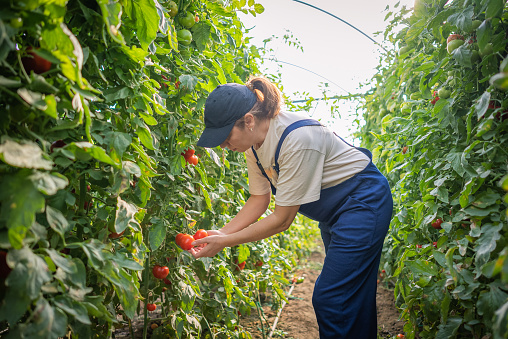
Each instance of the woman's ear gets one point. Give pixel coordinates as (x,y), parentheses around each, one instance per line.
(249,120)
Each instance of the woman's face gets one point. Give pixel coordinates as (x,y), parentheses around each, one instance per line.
(239,140)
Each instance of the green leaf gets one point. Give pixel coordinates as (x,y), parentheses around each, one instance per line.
(25,155)
(462,19)
(201,34)
(487,242)
(93,249)
(73,308)
(57,221)
(243,253)
(20,201)
(29,274)
(490,301)
(463,56)
(144,15)
(83,149)
(145,135)
(494,8)
(125,213)
(111,14)
(172,38)
(450,328)
(120,142)
(421,267)
(157,234)
(49,183)
(482,104)
(117,93)
(483,34)
(189,82)
(259,8)
(49,323)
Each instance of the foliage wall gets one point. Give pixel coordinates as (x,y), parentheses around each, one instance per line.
(99,103)
(437,121)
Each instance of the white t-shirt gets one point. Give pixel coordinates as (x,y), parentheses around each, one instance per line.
(311,158)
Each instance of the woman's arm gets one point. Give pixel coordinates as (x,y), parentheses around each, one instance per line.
(278,221)
(255,206)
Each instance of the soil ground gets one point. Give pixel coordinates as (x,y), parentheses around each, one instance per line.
(298,321)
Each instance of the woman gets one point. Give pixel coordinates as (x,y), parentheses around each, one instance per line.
(312,171)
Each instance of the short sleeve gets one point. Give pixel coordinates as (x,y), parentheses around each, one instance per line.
(258,184)
(300,176)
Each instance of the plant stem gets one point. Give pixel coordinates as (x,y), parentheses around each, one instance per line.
(145,294)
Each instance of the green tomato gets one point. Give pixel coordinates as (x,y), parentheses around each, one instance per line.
(415,96)
(488,49)
(444,93)
(184,36)
(404,50)
(453,45)
(188,20)
(475,56)
(17,22)
(173,9)
(476,24)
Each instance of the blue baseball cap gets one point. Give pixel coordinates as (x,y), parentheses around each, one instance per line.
(224,106)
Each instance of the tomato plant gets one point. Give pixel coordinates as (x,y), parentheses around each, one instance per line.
(449,279)
(100,100)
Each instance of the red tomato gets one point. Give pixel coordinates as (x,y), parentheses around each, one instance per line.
(151,307)
(434,244)
(200,234)
(114,235)
(259,263)
(57,144)
(160,272)
(167,281)
(184,241)
(4,268)
(437,224)
(239,266)
(193,160)
(404,150)
(454,37)
(35,63)
(188,153)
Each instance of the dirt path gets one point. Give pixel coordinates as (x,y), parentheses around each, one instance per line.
(298,320)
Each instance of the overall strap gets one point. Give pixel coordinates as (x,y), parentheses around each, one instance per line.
(263,170)
(289,129)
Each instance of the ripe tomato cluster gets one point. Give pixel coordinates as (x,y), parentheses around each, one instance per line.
(239,266)
(160,272)
(185,240)
(436,98)
(190,157)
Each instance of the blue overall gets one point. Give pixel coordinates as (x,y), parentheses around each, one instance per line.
(353,218)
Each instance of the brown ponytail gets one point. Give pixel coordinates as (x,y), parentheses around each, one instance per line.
(269,99)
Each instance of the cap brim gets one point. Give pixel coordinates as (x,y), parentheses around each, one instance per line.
(213,137)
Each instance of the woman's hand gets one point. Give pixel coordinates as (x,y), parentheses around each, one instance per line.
(210,245)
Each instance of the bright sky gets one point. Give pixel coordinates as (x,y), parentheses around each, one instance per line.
(331,48)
